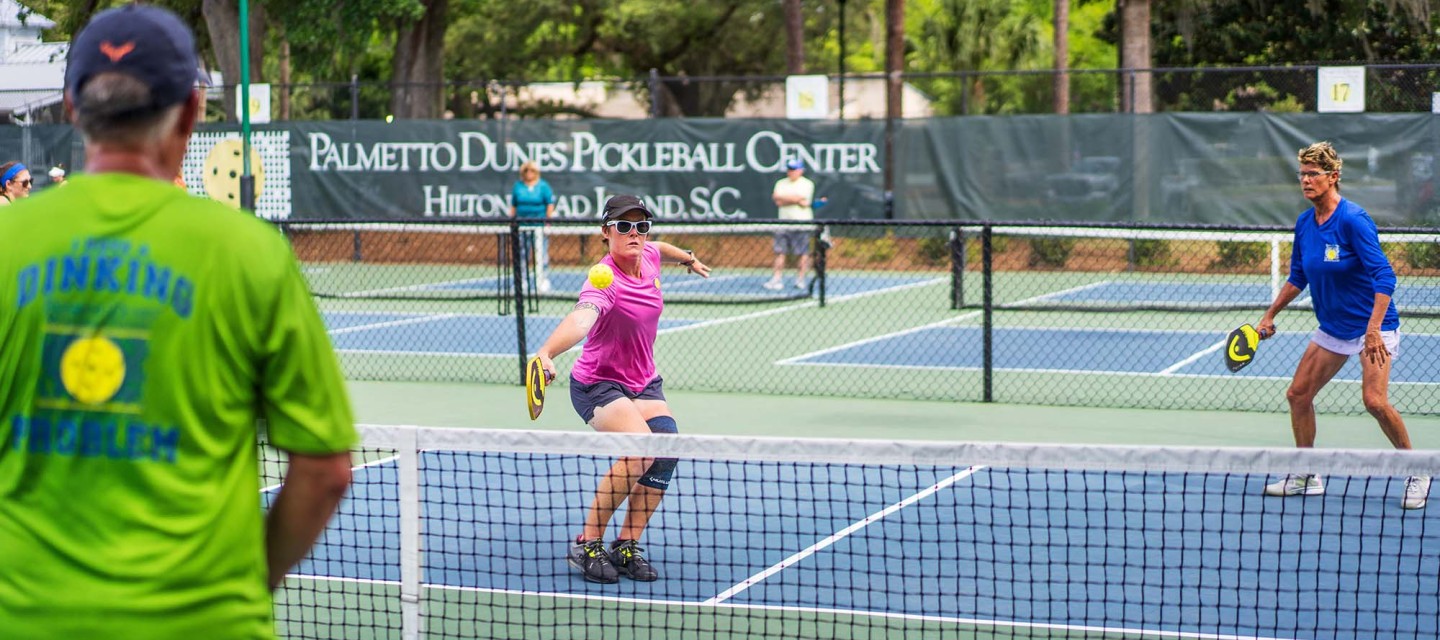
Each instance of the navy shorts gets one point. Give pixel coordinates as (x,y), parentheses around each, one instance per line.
(795,243)
(589,397)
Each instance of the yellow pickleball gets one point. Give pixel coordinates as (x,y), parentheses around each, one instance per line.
(601,276)
(92,369)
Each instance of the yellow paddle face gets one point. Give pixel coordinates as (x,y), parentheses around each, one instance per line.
(534,387)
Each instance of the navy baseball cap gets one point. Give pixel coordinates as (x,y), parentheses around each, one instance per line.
(795,163)
(145,42)
(618,206)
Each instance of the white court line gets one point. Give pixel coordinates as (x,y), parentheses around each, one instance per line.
(367,464)
(884,336)
(1170,370)
(909,617)
(856,343)
(803,305)
(419,287)
(393,323)
(837,536)
(690,282)
(1089,372)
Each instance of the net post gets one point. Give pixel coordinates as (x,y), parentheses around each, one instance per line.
(408,471)
(822,244)
(987,257)
(957,268)
(517,275)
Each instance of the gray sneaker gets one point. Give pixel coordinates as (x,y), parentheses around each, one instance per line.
(1417,492)
(1296,485)
(590,558)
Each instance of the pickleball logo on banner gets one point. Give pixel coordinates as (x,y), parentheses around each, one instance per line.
(94,372)
(223,167)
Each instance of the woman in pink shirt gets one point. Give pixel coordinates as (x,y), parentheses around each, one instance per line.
(614,386)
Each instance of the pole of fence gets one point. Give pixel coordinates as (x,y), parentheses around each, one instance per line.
(822,245)
(957,268)
(354,96)
(655,93)
(987,255)
(518,275)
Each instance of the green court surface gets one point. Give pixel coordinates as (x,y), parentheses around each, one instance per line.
(503,407)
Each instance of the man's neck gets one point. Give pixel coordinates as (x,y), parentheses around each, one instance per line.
(102,158)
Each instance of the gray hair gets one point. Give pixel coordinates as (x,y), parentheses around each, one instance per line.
(117,108)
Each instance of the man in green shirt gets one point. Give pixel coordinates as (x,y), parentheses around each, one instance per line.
(143,333)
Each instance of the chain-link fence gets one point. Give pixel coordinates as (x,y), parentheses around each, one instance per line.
(1076,315)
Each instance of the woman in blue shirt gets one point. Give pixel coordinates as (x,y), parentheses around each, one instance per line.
(1337,254)
(532,199)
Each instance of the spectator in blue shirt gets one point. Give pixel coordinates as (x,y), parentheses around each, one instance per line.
(532,199)
(1337,254)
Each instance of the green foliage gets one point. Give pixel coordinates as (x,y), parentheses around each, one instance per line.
(1241,255)
(870,250)
(1423,255)
(1050,252)
(934,250)
(1152,253)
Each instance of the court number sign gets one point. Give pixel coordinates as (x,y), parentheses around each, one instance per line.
(1341,90)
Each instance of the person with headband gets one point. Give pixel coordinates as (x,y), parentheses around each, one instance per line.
(146,335)
(15,182)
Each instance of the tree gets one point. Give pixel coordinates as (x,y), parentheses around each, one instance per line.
(979,35)
(416,79)
(1136,92)
(1062,56)
(794,38)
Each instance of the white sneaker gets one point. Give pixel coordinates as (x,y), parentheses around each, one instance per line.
(543,286)
(799,284)
(1417,491)
(774,285)
(1296,485)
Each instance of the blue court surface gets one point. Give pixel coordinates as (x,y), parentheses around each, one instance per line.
(1116,351)
(1181,294)
(442,334)
(1122,552)
(721,284)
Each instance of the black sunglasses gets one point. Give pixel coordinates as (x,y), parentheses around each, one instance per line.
(624,227)
(25,183)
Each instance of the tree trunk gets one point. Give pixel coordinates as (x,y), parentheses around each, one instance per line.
(285,88)
(417,75)
(1062,56)
(794,38)
(894,66)
(222,19)
(1135,88)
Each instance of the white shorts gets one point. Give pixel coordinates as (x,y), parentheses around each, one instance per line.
(1351,347)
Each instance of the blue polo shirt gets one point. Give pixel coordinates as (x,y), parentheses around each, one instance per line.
(1342,263)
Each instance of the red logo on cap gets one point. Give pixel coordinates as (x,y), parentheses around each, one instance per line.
(115,53)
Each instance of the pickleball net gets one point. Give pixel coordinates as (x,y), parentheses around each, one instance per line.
(463,534)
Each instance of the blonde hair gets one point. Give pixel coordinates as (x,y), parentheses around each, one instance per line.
(1322,155)
(529,166)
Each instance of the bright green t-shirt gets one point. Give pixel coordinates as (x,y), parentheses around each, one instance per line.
(142,334)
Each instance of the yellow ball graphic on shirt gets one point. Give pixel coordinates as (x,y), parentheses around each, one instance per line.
(92,369)
(601,276)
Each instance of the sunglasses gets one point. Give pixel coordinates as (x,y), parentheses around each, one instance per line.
(25,183)
(624,227)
